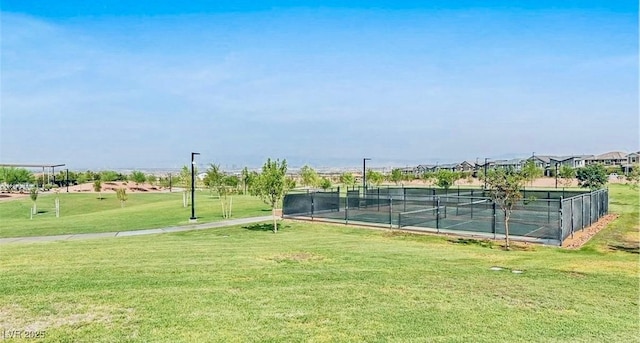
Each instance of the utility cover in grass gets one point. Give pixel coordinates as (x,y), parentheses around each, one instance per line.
(517,271)
(495,268)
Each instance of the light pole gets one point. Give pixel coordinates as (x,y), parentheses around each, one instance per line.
(485,172)
(193,188)
(364,173)
(556,174)
(67,180)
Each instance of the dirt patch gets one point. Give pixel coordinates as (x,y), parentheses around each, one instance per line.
(88,188)
(19,318)
(582,237)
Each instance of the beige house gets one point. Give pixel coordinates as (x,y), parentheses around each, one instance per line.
(614,158)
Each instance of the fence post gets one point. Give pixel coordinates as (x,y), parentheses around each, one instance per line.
(493,220)
(378,199)
(312,205)
(346,209)
(438,214)
(548,207)
(572,217)
(560,219)
(390,211)
(404,199)
(582,214)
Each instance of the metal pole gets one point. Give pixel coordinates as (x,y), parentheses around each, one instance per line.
(67,181)
(556,174)
(169,182)
(485,172)
(193,187)
(364,173)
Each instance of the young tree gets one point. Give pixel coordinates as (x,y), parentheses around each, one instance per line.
(530,172)
(138,177)
(271,185)
(633,176)
(593,176)
(427,176)
(375,177)
(325,183)
(14,176)
(309,176)
(396,176)
(245,175)
(214,177)
(566,174)
(97,187)
(226,188)
(121,194)
(446,178)
(185,180)
(151,179)
(504,188)
(109,176)
(347,179)
(33,194)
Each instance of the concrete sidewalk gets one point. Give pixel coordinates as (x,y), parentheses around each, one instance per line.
(80,236)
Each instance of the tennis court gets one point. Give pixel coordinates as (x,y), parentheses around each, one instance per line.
(548,220)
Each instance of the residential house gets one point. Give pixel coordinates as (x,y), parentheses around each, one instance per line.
(515,164)
(448,166)
(423,168)
(467,166)
(614,158)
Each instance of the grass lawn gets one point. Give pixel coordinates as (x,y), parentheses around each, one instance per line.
(84,213)
(322,283)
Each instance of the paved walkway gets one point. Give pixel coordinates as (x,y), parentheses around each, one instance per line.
(80,236)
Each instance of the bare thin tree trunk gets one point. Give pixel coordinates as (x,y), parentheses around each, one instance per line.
(506,231)
(275,223)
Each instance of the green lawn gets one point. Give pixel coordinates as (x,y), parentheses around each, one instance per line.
(623,234)
(84,213)
(323,283)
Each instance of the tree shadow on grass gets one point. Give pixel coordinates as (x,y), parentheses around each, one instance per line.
(625,248)
(470,241)
(264,227)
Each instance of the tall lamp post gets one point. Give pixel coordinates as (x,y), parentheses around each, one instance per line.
(193,188)
(556,174)
(485,172)
(364,173)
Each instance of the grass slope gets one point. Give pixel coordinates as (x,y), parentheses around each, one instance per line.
(320,283)
(84,213)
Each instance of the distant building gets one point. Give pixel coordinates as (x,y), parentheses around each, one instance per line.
(614,158)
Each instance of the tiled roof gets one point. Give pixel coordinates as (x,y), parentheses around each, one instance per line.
(614,155)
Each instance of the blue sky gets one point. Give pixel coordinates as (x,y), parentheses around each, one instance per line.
(110,84)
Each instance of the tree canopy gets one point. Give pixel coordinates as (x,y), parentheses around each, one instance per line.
(593,176)
(272,184)
(347,179)
(504,186)
(310,177)
(374,177)
(446,178)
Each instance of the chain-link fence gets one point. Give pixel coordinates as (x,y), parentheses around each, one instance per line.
(581,211)
(543,216)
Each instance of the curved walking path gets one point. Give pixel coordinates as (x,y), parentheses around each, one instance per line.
(80,236)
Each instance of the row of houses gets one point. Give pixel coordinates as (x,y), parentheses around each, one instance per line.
(545,162)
